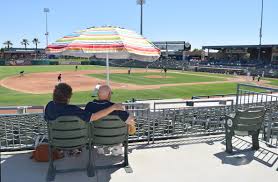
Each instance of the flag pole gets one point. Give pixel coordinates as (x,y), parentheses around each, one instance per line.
(107,69)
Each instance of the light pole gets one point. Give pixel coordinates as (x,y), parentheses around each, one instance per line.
(46,10)
(141,3)
(261,30)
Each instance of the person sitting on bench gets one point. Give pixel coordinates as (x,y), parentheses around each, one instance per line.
(104,95)
(60,106)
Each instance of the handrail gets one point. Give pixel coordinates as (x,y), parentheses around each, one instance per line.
(192,101)
(256,86)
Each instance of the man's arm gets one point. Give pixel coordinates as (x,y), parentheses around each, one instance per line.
(100,114)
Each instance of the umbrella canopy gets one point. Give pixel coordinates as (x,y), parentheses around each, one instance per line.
(97,42)
(105,42)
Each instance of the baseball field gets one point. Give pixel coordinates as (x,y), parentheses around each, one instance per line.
(36,85)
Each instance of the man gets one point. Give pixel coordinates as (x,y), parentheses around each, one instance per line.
(21,73)
(259,78)
(59,78)
(104,95)
(165,71)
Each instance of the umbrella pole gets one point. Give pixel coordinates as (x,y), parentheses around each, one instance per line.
(107,69)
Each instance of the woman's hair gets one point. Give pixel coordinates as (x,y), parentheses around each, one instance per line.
(62,93)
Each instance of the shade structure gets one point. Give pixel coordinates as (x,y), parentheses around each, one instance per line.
(105,42)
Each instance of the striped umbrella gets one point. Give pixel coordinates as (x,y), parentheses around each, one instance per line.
(105,42)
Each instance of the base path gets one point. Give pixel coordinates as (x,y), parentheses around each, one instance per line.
(41,83)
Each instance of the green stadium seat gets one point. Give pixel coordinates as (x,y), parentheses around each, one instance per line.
(68,133)
(244,123)
(110,131)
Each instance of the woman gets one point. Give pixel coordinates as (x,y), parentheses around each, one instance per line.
(60,107)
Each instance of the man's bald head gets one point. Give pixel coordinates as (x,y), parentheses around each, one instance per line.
(104,92)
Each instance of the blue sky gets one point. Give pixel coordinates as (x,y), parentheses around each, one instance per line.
(201,22)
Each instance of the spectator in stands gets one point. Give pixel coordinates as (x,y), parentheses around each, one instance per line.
(104,96)
(60,106)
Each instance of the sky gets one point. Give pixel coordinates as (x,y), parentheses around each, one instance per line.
(200,22)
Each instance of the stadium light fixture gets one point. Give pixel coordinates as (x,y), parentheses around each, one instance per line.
(141,3)
(261,31)
(46,10)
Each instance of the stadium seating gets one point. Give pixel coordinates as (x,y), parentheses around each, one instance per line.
(244,123)
(110,131)
(68,133)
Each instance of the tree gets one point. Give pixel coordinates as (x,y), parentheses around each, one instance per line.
(2,53)
(36,42)
(25,42)
(8,44)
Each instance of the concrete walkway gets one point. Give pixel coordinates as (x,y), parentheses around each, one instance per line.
(181,160)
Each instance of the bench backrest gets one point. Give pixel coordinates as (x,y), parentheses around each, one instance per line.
(68,132)
(250,119)
(110,130)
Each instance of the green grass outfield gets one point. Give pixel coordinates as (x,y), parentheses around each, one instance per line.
(273,81)
(14,70)
(10,97)
(142,79)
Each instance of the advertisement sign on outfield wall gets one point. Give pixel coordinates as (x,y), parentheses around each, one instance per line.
(69,62)
(19,62)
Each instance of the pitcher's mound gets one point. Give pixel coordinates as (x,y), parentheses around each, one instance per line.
(157,76)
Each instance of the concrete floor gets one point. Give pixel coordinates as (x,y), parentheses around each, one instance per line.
(181,160)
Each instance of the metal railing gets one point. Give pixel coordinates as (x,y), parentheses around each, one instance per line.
(252,95)
(22,109)
(181,122)
(191,103)
(18,131)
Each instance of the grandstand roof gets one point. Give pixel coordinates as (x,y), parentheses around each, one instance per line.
(240,46)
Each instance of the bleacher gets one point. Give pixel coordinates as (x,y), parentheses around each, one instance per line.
(164,120)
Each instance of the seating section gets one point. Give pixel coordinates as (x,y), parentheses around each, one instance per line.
(68,133)
(110,131)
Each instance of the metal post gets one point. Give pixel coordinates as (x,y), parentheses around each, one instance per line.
(261,30)
(237,96)
(46,10)
(107,69)
(141,3)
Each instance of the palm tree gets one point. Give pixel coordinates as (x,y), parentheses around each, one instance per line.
(8,44)
(2,53)
(36,42)
(25,42)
